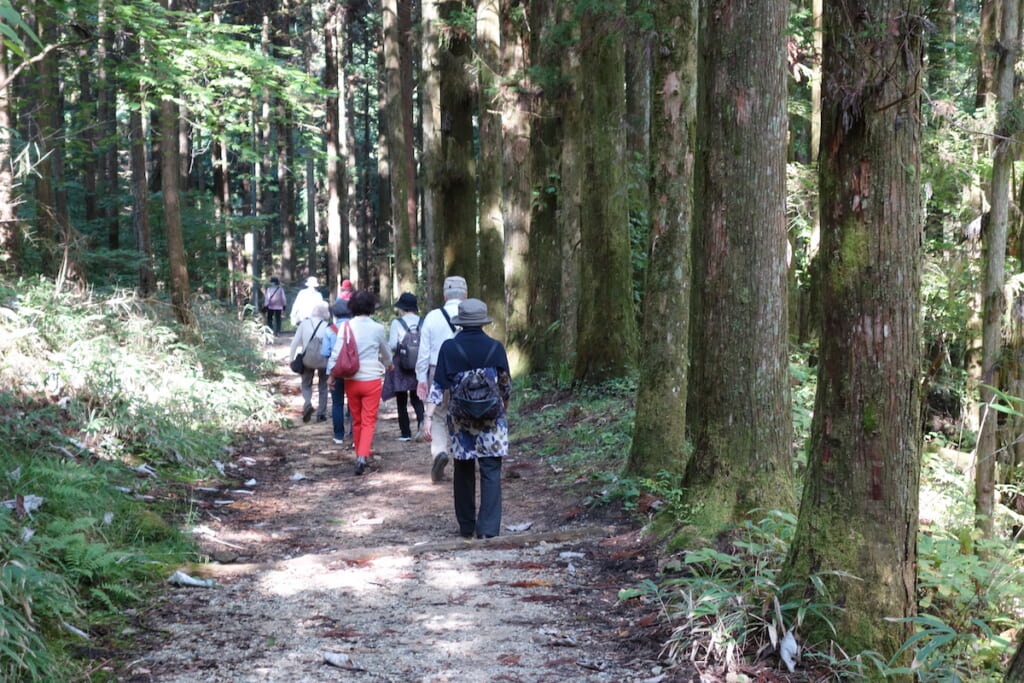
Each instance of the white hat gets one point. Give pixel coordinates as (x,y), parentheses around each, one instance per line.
(312,282)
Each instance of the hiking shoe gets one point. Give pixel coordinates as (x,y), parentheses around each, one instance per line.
(340,442)
(404,438)
(321,418)
(360,465)
(437,471)
(307,413)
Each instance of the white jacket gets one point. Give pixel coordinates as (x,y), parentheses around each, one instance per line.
(435,332)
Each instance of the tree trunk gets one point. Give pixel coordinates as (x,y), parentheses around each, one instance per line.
(1015,671)
(859,510)
(396,142)
(492,222)
(984,92)
(659,429)
(994,301)
(181,294)
(143,240)
(544,320)
(739,408)
(10,226)
(516,102)
(607,344)
(335,168)
(455,177)
(430,123)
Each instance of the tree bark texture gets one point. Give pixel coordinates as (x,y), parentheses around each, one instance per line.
(738,398)
(606,347)
(430,123)
(10,226)
(455,172)
(659,429)
(517,99)
(993,298)
(859,511)
(335,164)
(181,292)
(491,214)
(403,187)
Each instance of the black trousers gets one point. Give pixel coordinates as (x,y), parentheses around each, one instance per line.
(402,399)
(486,522)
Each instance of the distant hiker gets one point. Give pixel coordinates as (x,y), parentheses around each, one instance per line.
(438,327)
(309,337)
(346,290)
(363,389)
(477,433)
(302,307)
(274,302)
(338,412)
(400,381)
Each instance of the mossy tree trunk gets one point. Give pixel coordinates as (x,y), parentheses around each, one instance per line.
(738,401)
(659,430)
(455,174)
(859,511)
(606,346)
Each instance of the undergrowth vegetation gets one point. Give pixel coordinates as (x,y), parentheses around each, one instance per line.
(721,604)
(102,400)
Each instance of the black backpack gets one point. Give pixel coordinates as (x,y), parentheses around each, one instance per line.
(475,398)
(409,346)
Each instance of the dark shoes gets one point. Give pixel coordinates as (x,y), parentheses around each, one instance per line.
(307,413)
(437,471)
(360,465)
(321,418)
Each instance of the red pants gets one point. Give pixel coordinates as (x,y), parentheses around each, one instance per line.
(363,401)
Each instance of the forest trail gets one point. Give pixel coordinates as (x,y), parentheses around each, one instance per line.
(321,575)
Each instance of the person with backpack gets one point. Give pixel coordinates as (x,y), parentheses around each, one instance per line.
(274,302)
(309,339)
(473,375)
(437,328)
(339,414)
(400,382)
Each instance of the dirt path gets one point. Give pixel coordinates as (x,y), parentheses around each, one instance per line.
(316,564)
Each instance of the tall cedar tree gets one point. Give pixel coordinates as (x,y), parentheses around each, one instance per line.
(859,511)
(455,178)
(516,124)
(492,222)
(606,347)
(659,430)
(739,409)
(994,301)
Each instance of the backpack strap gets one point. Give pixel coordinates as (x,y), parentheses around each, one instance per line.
(305,347)
(403,324)
(465,356)
(448,318)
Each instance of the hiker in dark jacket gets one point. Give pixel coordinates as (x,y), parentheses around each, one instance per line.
(474,445)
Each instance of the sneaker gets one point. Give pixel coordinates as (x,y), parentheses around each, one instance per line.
(307,413)
(321,418)
(404,438)
(340,442)
(360,465)
(437,470)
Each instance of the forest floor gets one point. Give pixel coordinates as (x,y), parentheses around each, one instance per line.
(321,575)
